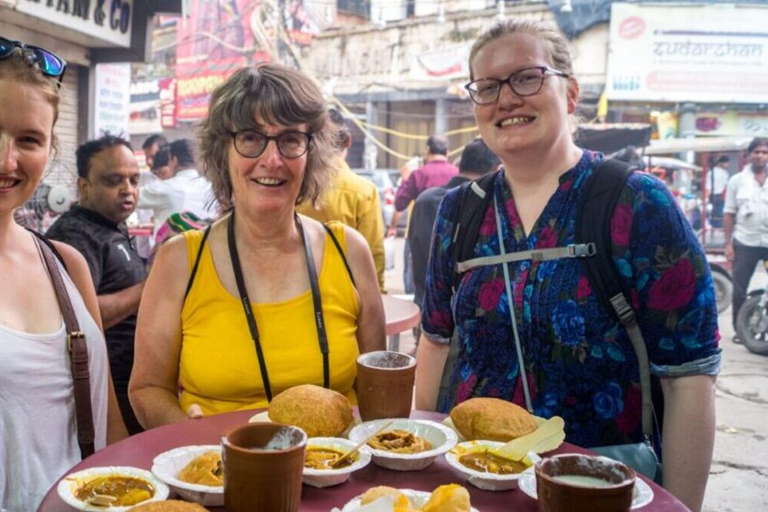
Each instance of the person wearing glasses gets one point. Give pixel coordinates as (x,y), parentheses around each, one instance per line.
(265,299)
(185,190)
(578,360)
(37,411)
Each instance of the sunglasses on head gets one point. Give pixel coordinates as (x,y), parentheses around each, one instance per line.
(49,63)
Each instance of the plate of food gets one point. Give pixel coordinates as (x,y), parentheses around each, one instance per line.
(641,495)
(323,452)
(318,411)
(405,445)
(446,498)
(116,488)
(485,469)
(194,472)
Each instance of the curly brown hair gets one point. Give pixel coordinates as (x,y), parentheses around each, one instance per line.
(277,95)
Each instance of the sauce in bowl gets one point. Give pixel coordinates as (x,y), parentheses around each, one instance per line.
(126,490)
(486,462)
(323,458)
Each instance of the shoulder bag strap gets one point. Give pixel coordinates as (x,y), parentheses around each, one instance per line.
(78,355)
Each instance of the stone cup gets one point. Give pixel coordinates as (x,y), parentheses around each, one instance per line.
(583,483)
(385,385)
(263,465)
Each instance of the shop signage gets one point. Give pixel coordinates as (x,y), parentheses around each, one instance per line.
(108,20)
(112,100)
(168,103)
(145,107)
(732,124)
(656,53)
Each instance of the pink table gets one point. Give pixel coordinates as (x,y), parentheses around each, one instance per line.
(400,315)
(139,450)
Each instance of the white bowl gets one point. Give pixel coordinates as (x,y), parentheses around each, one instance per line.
(329,477)
(417,499)
(71,483)
(441,437)
(481,480)
(168,465)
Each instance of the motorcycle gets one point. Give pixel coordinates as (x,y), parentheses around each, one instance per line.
(752,321)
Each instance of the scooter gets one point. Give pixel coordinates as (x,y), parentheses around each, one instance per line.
(752,321)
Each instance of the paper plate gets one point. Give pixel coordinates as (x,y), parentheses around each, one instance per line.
(71,483)
(168,465)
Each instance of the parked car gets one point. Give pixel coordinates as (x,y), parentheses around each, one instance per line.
(383,179)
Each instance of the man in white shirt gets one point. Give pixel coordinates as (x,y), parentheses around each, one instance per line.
(185,191)
(745,221)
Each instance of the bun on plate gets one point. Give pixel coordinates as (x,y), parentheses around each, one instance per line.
(492,419)
(168,506)
(448,498)
(318,411)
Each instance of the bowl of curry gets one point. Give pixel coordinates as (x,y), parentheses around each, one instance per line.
(486,470)
(115,489)
(322,453)
(194,472)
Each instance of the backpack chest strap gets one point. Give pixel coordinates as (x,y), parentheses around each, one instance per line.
(555,253)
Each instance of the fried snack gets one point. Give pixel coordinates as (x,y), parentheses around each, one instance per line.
(374,493)
(168,506)
(486,462)
(324,458)
(492,419)
(399,441)
(448,498)
(126,490)
(204,469)
(318,411)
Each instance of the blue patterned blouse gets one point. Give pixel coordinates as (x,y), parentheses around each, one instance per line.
(579,361)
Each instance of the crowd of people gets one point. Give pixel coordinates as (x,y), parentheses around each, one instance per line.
(264,297)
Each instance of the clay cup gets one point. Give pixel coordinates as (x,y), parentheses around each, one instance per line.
(385,385)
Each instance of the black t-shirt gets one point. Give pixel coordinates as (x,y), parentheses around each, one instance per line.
(114,266)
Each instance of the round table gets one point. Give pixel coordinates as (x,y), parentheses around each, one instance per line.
(400,315)
(139,450)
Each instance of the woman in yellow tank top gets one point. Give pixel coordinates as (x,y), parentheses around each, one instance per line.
(273,301)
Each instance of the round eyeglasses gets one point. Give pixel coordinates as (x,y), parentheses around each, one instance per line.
(49,63)
(524,82)
(251,144)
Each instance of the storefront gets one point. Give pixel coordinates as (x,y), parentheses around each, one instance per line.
(84,33)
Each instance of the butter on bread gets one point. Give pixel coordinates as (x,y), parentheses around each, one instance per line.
(492,419)
(318,411)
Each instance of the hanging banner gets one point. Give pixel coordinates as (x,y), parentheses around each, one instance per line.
(145,107)
(168,103)
(112,100)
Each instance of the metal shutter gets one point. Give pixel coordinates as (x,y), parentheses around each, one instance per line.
(62,167)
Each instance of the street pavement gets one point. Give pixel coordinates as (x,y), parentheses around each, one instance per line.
(738,480)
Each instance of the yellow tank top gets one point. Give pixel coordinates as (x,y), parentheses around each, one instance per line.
(219,369)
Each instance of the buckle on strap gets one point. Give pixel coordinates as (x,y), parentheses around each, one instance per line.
(581,250)
(76,335)
(624,311)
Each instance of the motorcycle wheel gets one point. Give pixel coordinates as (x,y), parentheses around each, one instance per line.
(723,290)
(752,326)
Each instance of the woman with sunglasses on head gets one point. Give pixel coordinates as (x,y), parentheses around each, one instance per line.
(37,405)
(573,358)
(265,147)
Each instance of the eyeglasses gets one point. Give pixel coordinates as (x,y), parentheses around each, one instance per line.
(49,63)
(251,144)
(524,82)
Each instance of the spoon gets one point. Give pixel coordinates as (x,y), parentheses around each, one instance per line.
(548,436)
(101,500)
(359,445)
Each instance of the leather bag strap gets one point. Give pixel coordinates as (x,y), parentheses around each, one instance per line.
(78,356)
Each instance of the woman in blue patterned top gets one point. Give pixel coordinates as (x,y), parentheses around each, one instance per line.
(578,360)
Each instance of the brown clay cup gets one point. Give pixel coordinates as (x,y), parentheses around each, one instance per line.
(385,385)
(263,463)
(612,494)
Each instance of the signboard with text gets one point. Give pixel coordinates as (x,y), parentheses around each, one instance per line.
(108,20)
(112,100)
(699,53)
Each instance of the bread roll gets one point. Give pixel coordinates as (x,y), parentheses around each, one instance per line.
(492,419)
(167,506)
(318,411)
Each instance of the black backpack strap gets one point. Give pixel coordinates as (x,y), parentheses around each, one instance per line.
(50,246)
(474,198)
(197,261)
(593,225)
(341,253)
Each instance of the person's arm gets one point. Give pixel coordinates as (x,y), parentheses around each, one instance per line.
(689,436)
(116,307)
(153,389)
(370,224)
(78,270)
(406,192)
(729,221)
(371,332)
(430,363)
(152,195)
(729,214)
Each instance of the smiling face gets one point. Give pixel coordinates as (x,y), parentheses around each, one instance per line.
(517,125)
(112,186)
(270,182)
(26,125)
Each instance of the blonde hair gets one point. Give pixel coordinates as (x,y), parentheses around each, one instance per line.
(559,54)
(277,95)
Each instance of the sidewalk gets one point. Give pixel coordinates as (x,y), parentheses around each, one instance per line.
(738,479)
